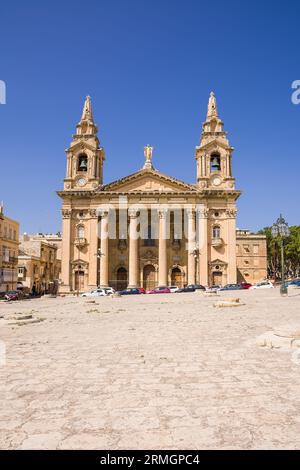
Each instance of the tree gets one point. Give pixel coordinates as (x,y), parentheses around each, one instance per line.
(292,252)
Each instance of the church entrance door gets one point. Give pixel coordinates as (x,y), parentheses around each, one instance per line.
(217,278)
(176,277)
(79,281)
(149,277)
(121,278)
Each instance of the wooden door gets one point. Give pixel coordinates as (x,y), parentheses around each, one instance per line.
(149,277)
(176,277)
(122,279)
(217,278)
(79,281)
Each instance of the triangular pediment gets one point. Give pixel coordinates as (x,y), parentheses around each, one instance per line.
(148,181)
(218,262)
(75,146)
(214,144)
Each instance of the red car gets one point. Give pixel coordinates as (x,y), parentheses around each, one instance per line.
(159,290)
(12,295)
(142,290)
(245,285)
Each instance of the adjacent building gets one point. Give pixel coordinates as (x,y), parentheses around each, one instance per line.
(38,263)
(251,255)
(9,247)
(149,229)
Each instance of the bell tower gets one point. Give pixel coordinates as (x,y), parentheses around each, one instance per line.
(213,155)
(85,156)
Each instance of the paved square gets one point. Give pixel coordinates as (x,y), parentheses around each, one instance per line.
(165,371)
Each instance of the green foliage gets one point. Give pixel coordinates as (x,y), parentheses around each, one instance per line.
(291,250)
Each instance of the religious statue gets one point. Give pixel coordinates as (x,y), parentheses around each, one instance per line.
(148,151)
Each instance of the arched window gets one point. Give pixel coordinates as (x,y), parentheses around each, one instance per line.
(215,162)
(216,233)
(80,231)
(82,162)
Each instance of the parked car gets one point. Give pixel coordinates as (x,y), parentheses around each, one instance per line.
(159,290)
(12,295)
(24,291)
(197,286)
(96,293)
(296,283)
(232,287)
(130,291)
(108,290)
(186,289)
(173,289)
(245,285)
(213,288)
(263,285)
(142,290)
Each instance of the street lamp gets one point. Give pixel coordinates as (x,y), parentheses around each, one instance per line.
(281,229)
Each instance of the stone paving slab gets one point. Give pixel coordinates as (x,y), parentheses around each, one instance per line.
(150,372)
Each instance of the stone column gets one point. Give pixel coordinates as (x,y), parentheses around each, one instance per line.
(104,249)
(133,249)
(202,214)
(66,250)
(191,246)
(162,249)
(93,249)
(231,246)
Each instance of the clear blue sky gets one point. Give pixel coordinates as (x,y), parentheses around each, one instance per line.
(149,67)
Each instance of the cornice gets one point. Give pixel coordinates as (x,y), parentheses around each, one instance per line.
(94,194)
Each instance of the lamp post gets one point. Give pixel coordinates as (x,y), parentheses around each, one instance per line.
(281,229)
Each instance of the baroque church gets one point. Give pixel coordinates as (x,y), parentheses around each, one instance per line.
(149,229)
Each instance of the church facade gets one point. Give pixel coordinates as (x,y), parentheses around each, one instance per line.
(149,229)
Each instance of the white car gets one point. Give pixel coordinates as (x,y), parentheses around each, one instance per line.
(96,293)
(108,290)
(213,288)
(173,289)
(263,285)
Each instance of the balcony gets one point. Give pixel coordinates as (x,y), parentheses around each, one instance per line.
(217,242)
(80,242)
(9,260)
